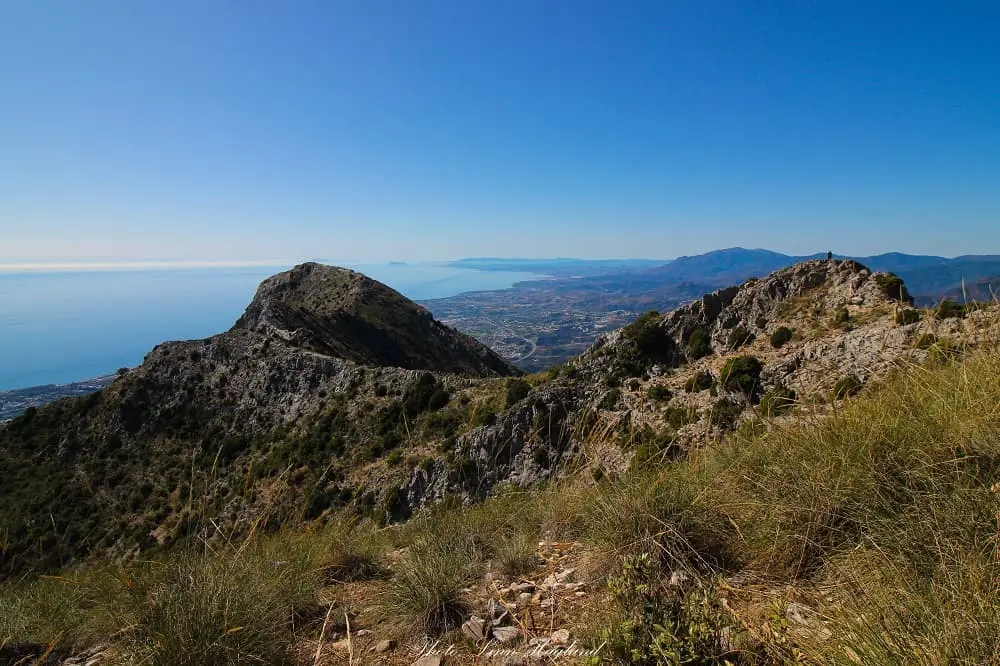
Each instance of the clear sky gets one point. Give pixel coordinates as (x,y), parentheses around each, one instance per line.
(434,129)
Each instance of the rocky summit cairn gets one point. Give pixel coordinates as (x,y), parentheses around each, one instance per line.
(342,313)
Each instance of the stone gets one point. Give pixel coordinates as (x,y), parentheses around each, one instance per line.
(384,646)
(497,610)
(475,628)
(506,635)
(429,660)
(800,614)
(524,599)
(363,632)
(563,576)
(679,578)
(547,603)
(560,637)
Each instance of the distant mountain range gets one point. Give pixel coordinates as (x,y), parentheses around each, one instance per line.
(929,278)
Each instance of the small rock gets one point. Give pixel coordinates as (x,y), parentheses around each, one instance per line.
(429,660)
(363,632)
(550,582)
(475,628)
(560,637)
(546,603)
(800,614)
(679,578)
(524,599)
(580,593)
(564,575)
(506,635)
(384,646)
(497,610)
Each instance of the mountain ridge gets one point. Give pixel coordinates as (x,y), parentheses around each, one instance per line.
(250,428)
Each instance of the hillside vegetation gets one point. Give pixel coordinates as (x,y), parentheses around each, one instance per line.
(801,468)
(866,535)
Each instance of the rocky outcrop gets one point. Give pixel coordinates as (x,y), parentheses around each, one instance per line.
(343,314)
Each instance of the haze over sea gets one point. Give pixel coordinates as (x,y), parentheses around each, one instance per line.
(63,326)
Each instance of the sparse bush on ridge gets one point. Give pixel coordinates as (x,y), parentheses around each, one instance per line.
(893,287)
(517,390)
(781,337)
(699,382)
(739,336)
(777,401)
(950,310)
(742,374)
(658,393)
(699,344)
(907,316)
(846,387)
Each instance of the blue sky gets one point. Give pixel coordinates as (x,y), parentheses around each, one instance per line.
(377,130)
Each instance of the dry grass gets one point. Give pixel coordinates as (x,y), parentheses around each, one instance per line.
(889,504)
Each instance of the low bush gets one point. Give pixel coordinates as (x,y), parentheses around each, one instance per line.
(699,382)
(742,374)
(907,316)
(517,390)
(699,344)
(893,287)
(950,310)
(659,393)
(846,387)
(777,401)
(650,337)
(426,590)
(739,336)
(725,412)
(781,337)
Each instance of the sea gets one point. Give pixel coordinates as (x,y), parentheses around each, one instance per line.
(69,325)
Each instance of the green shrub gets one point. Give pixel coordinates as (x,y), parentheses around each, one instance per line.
(655,624)
(650,337)
(907,316)
(425,592)
(742,374)
(945,351)
(925,341)
(611,398)
(739,336)
(893,287)
(846,387)
(699,382)
(659,393)
(517,390)
(515,554)
(699,344)
(841,317)
(777,401)
(394,458)
(725,412)
(678,417)
(949,310)
(438,399)
(218,610)
(781,337)
(417,397)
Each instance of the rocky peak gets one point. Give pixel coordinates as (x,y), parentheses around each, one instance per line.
(829,284)
(342,313)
